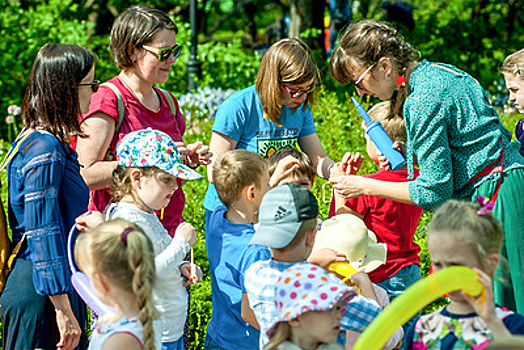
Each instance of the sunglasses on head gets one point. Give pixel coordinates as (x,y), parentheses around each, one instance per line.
(94,85)
(300,92)
(164,53)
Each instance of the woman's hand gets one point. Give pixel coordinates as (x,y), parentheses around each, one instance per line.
(69,329)
(198,154)
(348,186)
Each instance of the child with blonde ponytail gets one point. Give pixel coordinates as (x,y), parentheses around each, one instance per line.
(119,260)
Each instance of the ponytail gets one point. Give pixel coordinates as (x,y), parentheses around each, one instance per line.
(142,262)
(125,255)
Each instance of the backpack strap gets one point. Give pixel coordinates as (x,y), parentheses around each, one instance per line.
(173,105)
(120,102)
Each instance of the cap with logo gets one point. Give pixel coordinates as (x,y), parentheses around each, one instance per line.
(282,211)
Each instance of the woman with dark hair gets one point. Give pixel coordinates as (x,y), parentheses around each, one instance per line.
(453,133)
(38,306)
(143,45)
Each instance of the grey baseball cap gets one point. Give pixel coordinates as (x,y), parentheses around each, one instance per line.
(282,210)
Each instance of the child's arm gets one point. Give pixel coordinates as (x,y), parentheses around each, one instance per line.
(484,306)
(284,167)
(247,313)
(325,257)
(361,279)
(122,341)
(169,259)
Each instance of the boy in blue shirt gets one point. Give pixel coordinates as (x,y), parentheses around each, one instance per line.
(241,179)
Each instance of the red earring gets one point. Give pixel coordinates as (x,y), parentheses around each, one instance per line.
(402,81)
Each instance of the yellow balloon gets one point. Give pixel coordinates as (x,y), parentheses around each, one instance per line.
(414,298)
(343,269)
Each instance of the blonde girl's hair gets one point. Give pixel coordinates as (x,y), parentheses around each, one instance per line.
(280,335)
(123,183)
(362,44)
(483,233)
(287,61)
(234,170)
(127,260)
(394,125)
(514,64)
(134,28)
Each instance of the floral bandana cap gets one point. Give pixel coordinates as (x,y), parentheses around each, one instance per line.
(153,148)
(306,287)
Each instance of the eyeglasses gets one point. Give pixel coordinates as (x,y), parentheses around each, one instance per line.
(164,53)
(357,83)
(300,92)
(94,85)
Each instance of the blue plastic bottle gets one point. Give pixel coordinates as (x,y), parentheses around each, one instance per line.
(380,138)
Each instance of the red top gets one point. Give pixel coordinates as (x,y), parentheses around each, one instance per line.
(393,222)
(138,117)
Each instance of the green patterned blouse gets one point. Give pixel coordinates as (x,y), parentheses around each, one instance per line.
(453,132)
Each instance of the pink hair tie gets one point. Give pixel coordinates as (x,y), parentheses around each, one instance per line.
(486,206)
(123,235)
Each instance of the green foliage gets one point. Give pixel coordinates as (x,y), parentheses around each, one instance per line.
(23,32)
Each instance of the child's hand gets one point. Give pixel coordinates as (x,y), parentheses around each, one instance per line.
(89,220)
(361,279)
(352,163)
(483,304)
(383,162)
(284,167)
(186,231)
(198,154)
(325,257)
(192,273)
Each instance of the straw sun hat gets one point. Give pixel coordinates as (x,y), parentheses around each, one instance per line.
(347,234)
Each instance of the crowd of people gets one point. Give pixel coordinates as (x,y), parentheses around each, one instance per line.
(112,160)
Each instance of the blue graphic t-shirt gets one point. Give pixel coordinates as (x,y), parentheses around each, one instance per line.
(241,118)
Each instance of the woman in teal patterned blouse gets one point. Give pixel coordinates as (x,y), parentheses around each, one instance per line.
(453,134)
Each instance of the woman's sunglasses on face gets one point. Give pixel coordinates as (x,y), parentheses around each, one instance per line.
(164,53)
(94,85)
(300,92)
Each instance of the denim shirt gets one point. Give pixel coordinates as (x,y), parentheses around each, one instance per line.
(46,194)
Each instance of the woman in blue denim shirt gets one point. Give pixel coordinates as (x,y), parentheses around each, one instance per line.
(453,133)
(38,306)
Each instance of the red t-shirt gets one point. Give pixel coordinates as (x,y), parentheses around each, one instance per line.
(393,222)
(138,117)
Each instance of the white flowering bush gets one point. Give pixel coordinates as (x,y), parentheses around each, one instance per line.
(10,120)
(203,103)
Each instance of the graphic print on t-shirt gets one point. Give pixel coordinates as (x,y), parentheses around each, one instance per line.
(265,148)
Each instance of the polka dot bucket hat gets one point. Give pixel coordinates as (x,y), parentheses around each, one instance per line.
(153,148)
(306,287)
